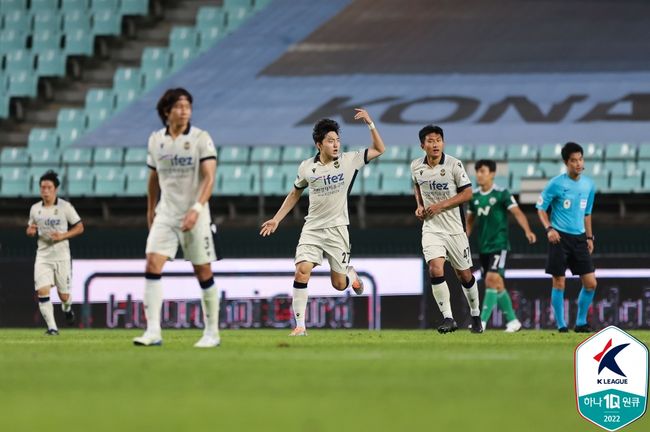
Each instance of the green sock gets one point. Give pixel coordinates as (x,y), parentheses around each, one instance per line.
(505,304)
(489,302)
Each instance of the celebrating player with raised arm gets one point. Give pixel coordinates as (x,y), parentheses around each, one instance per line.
(183,164)
(54,221)
(329,176)
(441,187)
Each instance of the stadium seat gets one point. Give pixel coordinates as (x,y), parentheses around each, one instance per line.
(76,20)
(45,5)
(18,61)
(183,37)
(71,118)
(14,156)
(501,181)
(4,102)
(124,97)
(523,152)
(15,181)
(105,5)
(23,84)
(180,56)
(46,20)
(13,5)
(602,183)
(524,169)
(17,20)
(593,151)
(396,154)
(68,136)
(237,11)
(625,184)
(209,36)
(77,42)
(77,156)
(616,168)
(79,181)
(106,23)
(596,169)
(294,154)
(46,156)
(551,169)
(11,40)
(135,156)
(127,79)
(100,98)
(490,151)
(134,7)
(266,155)
(462,152)
(290,172)
(108,156)
(109,181)
(155,58)
(368,181)
(43,138)
(273,180)
(620,151)
(96,117)
(236,180)
(153,76)
(210,17)
(551,152)
(74,5)
(136,180)
(46,40)
(238,154)
(644,151)
(395,179)
(51,63)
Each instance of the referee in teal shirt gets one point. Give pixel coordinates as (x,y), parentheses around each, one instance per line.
(570,197)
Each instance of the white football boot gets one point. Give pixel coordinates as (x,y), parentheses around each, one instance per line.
(513,326)
(208,341)
(148,339)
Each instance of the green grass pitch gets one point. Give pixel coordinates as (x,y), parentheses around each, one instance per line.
(262,380)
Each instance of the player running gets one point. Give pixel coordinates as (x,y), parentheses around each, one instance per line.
(488,212)
(441,186)
(54,221)
(183,164)
(329,176)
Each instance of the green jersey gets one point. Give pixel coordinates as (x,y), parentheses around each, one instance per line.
(490,211)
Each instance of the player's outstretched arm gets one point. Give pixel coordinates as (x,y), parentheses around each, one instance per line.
(377,148)
(153,192)
(290,201)
(523,223)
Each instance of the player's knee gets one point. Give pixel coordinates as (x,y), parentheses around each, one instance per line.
(339,285)
(591,285)
(493,280)
(64,297)
(43,292)
(302,275)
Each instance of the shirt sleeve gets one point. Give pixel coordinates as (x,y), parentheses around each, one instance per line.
(590,200)
(460,176)
(547,196)
(358,158)
(301,181)
(508,200)
(151,159)
(206,147)
(71,215)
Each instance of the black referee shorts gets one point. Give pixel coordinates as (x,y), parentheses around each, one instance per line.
(572,253)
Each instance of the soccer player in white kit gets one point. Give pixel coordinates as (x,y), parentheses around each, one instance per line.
(54,221)
(329,176)
(183,163)
(441,186)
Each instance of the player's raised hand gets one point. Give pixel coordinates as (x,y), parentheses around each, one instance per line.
(532,238)
(269,227)
(420,213)
(189,220)
(32,230)
(362,115)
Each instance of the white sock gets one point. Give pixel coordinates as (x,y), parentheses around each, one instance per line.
(152,304)
(471,294)
(45,305)
(210,305)
(66,305)
(299,305)
(441,294)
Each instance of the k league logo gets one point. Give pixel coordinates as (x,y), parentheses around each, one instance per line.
(611,378)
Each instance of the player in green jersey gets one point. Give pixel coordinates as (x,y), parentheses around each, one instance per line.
(488,212)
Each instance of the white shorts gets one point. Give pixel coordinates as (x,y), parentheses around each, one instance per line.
(197,244)
(52,273)
(333,243)
(453,247)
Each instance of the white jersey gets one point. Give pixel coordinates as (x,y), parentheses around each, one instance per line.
(329,186)
(439,183)
(177,163)
(55,218)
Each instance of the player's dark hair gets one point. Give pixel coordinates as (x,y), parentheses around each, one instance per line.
(167,101)
(322,128)
(489,163)
(430,129)
(570,148)
(50,176)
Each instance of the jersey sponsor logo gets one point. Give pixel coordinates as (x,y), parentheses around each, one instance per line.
(566,204)
(434,185)
(176,160)
(484,211)
(328,179)
(51,222)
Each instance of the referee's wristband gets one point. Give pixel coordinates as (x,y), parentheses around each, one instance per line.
(371,125)
(592,238)
(548,228)
(197,207)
